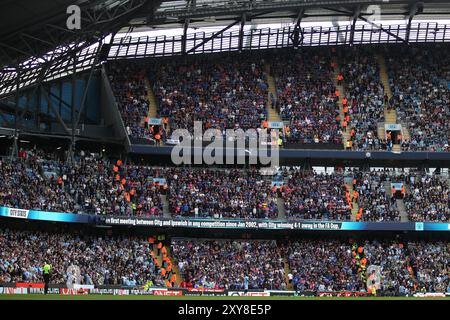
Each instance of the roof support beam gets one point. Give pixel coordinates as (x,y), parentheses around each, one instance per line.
(86,89)
(297,35)
(415,8)
(361,17)
(50,104)
(382,29)
(241,32)
(356,14)
(184,37)
(215,35)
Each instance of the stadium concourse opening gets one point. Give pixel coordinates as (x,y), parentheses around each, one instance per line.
(352,98)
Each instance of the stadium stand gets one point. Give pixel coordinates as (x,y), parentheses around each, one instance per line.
(308,195)
(306,98)
(101,260)
(357,204)
(418,78)
(224,264)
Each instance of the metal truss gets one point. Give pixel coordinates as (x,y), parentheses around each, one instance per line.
(268,38)
(201,8)
(51,50)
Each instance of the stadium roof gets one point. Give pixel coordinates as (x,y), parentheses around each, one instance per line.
(31,28)
(36,43)
(212,12)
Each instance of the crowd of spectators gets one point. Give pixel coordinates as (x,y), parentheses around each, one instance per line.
(373,198)
(128,82)
(322,266)
(224,93)
(431,261)
(100,259)
(221,193)
(397,276)
(312,195)
(94,184)
(313,265)
(87,185)
(427,197)
(365,99)
(306,97)
(419,81)
(226,264)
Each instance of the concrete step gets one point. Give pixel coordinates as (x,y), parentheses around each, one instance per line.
(153,107)
(390,116)
(165,202)
(387,186)
(384,77)
(281,208)
(175,268)
(402,209)
(289,286)
(355,207)
(405,132)
(345,135)
(381,132)
(272,113)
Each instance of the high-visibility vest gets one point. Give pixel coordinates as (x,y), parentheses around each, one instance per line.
(47,268)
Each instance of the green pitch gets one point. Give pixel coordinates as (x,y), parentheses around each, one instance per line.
(150,297)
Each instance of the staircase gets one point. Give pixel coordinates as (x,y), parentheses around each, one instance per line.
(402,209)
(405,132)
(387,187)
(272,113)
(390,116)
(345,135)
(355,207)
(165,203)
(153,105)
(152,108)
(175,268)
(281,208)
(289,286)
(381,132)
